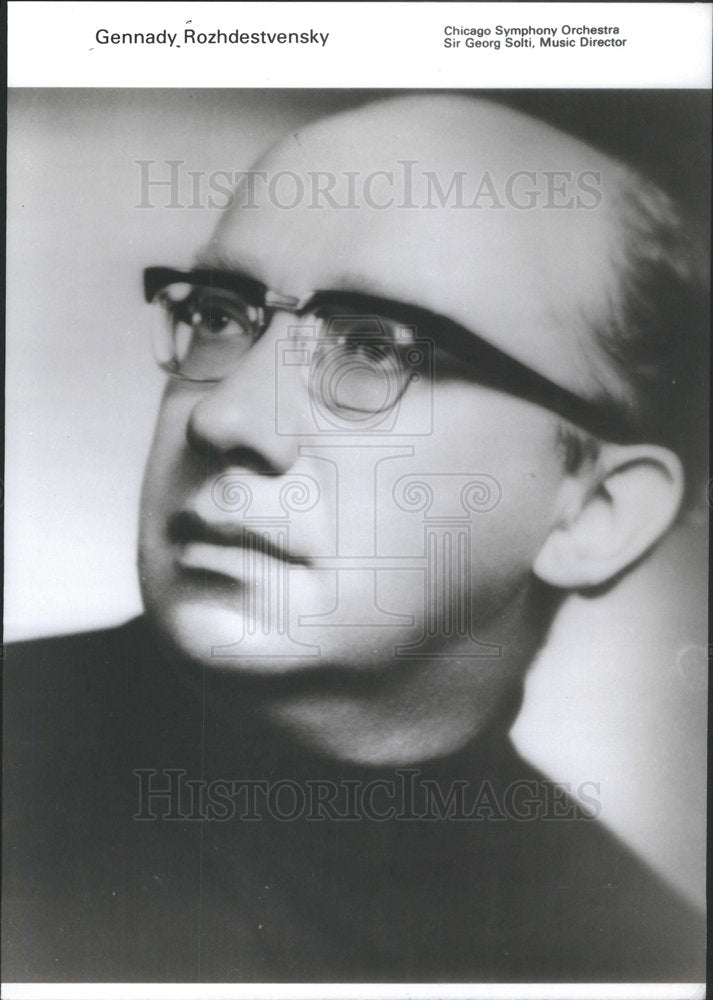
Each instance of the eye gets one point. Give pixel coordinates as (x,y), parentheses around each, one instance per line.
(362,364)
(212,315)
(206,331)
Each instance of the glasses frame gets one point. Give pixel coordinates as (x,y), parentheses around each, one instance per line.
(490,366)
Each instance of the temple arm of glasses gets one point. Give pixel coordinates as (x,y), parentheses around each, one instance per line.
(490,365)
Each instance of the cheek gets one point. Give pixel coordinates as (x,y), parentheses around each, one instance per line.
(490,466)
(166,465)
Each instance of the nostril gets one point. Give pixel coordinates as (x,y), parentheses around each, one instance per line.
(197,441)
(222,433)
(221,455)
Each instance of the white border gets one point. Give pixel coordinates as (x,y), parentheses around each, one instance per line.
(370,45)
(390,45)
(355,991)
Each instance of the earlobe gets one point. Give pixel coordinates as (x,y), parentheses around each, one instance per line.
(611,515)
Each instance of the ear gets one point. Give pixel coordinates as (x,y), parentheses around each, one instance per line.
(611,514)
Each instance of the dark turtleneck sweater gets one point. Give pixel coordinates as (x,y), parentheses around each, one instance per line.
(477,890)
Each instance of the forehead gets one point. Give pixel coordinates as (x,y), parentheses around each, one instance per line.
(462,207)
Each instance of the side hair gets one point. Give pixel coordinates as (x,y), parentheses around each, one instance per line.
(657,327)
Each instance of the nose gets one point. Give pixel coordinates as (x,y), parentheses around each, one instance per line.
(251,417)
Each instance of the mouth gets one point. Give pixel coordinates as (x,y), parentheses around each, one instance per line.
(211,546)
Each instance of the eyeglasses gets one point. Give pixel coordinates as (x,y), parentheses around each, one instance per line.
(363,351)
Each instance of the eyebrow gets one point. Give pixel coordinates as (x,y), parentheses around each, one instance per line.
(344,282)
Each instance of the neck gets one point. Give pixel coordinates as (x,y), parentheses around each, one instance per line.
(406,712)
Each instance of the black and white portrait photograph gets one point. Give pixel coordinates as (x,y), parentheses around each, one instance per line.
(356,508)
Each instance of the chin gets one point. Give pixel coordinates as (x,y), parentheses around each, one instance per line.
(225,639)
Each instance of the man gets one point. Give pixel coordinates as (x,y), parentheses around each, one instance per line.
(399,424)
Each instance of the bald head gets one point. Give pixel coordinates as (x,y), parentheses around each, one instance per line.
(562,257)
(455,204)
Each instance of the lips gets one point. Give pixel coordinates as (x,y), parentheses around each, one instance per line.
(193,533)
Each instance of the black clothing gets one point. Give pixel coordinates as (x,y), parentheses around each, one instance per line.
(94,894)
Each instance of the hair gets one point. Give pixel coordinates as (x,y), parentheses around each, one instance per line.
(656,328)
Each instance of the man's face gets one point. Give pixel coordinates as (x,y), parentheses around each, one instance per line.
(390,557)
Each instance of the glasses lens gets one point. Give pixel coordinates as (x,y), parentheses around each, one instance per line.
(362,365)
(202,333)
